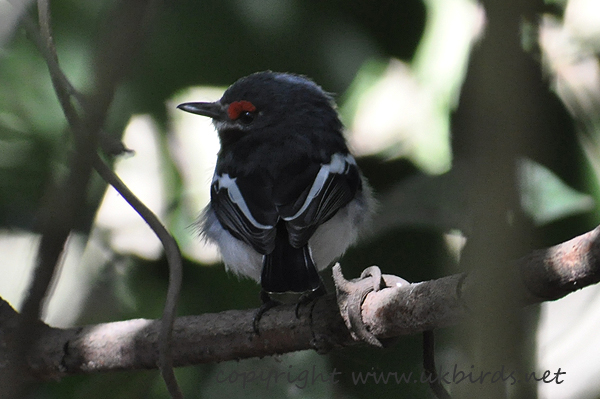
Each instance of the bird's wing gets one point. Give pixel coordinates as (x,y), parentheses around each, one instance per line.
(333,187)
(250,208)
(249,217)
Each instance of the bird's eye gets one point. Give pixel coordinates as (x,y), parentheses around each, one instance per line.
(246,117)
(243,111)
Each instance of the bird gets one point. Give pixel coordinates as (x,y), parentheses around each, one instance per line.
(287,196)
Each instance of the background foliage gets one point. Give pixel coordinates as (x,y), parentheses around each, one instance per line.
(396,69)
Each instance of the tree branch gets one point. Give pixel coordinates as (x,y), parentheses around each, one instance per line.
(63,211)
(57,218)
(544,275)
(133,20)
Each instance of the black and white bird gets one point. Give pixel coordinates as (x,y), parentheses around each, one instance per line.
(287,198)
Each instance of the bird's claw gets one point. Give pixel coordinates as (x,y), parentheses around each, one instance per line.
(309,297)
(267,303)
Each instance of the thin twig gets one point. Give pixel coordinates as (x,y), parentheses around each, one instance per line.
(43,40)
(175,272)
(429,365)
(65,91)
(39,286)
(56,220)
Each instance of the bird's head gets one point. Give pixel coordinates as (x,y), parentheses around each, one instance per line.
(269,103)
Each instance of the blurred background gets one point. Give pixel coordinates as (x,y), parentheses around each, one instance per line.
(396,70)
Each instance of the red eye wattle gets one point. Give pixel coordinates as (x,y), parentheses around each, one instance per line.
(236,108)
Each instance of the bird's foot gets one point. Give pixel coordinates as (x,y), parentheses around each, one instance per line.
(309,297)
(351,295)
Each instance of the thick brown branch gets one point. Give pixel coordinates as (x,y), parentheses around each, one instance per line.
(552,273)
(133,344)
(544,275)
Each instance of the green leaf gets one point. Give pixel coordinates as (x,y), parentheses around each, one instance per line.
(545,197)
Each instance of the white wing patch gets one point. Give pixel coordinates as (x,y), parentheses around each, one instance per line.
(338,165)
(235,195)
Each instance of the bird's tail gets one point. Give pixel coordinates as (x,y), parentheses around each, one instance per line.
(288,269)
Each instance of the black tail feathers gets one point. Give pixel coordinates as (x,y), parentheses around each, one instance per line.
(288,269)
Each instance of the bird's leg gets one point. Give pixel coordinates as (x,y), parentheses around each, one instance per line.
(267,303)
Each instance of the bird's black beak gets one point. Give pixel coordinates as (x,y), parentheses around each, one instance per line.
(212,110)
